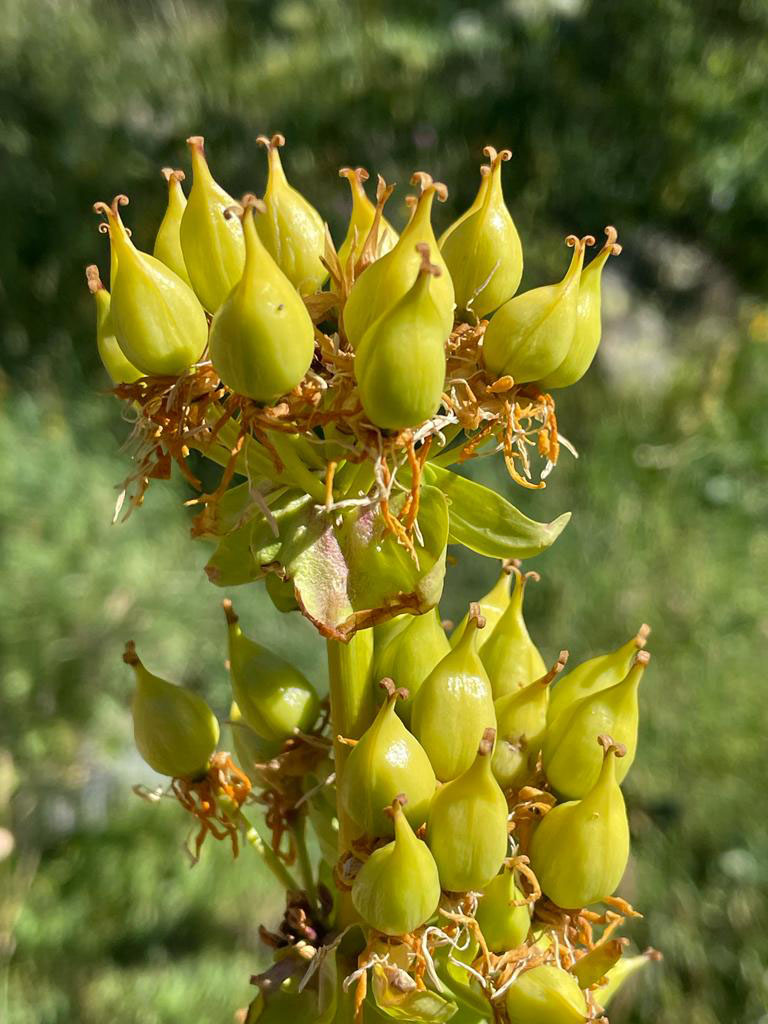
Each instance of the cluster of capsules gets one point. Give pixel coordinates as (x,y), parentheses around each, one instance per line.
(485,819)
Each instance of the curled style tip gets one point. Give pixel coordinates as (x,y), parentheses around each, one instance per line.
(229,611)
(609,745)
(476,615)
(271,142)
(497,156)
(130,657)
(426,266)
(426,182)
(171,175)
(611,240)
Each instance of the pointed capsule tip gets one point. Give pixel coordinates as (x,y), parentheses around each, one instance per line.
(93,278)
(610,746)
(130,657)
(611,240)
(426,266)
(476,616)
(510,564)
(555,671)
(397,805)
(271,142)
(229,611)
(497,156)
(172,175)
(393,692)
(426,182)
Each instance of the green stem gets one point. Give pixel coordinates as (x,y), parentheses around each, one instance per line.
(353,706)
(299,831)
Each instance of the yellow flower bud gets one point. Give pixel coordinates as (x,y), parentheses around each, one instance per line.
(213,247)
(531,334)
(292,231)
(175,731)
(361,221)
(159,324)
(262,337)
(411,655)
(483,252)
(168,239)
(120,369)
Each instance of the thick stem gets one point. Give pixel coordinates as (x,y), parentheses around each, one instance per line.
(353,707)
(298,829)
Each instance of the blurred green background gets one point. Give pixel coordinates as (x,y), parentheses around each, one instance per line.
(649,114)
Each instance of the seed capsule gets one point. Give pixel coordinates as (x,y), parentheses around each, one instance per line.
(411,656)
(531,334)
(477,202)
(510,657)
(546,995)
(159,324)
(586,337)
(596,674)
(274,698)
(387,280)
(175,731)
(522,722)
(292,231)
(168,240)
(467,825)
(120,369)
(213,247)
(397,889)
(483,252)
(580,850)
(454,707)
(503,914)
(571,760)
(262,338)
(385,758)
(492,607)
(361,221)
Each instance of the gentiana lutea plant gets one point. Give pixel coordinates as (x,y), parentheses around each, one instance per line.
(448,825)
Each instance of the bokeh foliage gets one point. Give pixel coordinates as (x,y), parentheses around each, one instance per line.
(651,115)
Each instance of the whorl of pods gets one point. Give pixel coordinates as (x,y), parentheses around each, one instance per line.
(250,266)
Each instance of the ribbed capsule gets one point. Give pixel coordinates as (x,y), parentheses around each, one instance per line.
(120,369)
(361,221)
(454,707)
(597,673)
(532,333)
(262,338)
(510,657)
(571,759)
(385,760)
(397,889)
(503,914)
(274,698)
(292,230)
(387,280)
(175,731)
(579,852)
(483,252)
(467,825)
(212,245)
(521,719)
(546,995)
(168,239)
(492,607)
(588,331)
(410,657)
(159,324)
(400,362)
(477,202)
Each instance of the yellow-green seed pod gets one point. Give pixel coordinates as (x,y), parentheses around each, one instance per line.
(594,965)
(579,852)
(385,759)
(262,337)
(586,336)
(387,280)
(521,719)
(175,731)
(483,252)
(292,230)
(361,221)
(159,324)
(400,362)
(213,246)
(397,889)
(168,239)
(510,657)
(571,760)
(503,913)
(546,995)
(454,706)
(274,698)
(120,369)
(492,607)
(467,825)
(531,334)
(477,202)
(411,656)
(625,969)
(595,674)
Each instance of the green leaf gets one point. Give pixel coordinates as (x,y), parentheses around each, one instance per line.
(396,998)
(483,521)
